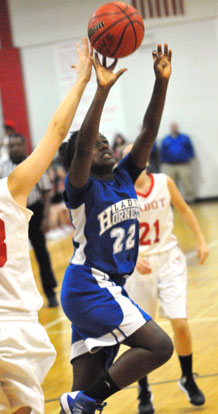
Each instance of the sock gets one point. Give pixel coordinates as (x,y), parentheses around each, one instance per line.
(186,365)
(102,389)
(143,388)
(143,382)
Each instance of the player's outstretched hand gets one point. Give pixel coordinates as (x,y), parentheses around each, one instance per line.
(142,266)
(162,61)
(202,252)
(104,74)
(84,66)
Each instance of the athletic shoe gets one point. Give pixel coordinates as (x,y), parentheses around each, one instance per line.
(145,401)
(189,386)
(79,403)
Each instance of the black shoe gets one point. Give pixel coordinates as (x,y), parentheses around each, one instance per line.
(52,301)
(145,402)
(188,385)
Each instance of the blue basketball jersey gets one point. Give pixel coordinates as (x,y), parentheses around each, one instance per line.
(105,216)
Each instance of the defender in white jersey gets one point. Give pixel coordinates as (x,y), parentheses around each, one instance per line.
(161,272)
(26,353)
(104,211)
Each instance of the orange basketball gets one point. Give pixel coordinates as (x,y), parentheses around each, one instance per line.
(116,29)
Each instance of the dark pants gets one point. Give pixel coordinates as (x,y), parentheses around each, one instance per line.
(38,242)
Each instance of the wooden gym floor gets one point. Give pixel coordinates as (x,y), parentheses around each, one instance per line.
(203,319)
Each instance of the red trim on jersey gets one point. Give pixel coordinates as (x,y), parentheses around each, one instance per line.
(150,189)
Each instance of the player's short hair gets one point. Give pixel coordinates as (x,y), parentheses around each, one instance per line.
(67,149)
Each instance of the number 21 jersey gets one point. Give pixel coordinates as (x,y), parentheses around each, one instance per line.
(156,217)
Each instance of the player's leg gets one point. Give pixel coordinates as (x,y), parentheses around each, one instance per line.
(24,410)
(150,345)
(172,295)
(143,290)
(87,368)
(150,348)
(182,336)
(183,346)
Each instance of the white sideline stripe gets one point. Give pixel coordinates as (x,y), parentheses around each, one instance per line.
(55,322)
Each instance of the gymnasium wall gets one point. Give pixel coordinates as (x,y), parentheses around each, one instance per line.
(47,31)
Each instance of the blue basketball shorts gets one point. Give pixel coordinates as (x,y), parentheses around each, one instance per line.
(101,312)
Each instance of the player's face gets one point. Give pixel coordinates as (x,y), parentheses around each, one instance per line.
(102,156)
(17,150)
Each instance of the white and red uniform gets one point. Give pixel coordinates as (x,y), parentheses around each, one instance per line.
(159,247)
(26,353)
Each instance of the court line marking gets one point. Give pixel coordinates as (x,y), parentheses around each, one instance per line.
(56,322)
(150,383)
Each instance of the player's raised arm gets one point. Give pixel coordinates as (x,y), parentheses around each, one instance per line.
(189,217)
(26,174)
(151,122)
(89,130)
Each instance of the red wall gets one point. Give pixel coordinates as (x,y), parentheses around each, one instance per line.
(11,78)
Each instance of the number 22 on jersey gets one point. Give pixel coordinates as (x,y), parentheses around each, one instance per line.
(3,247)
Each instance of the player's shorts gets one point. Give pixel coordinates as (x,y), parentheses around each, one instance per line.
(26,355)
(167,282)
(100,310)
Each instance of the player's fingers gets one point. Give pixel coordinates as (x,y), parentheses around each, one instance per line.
(159,49)
(148,270)
(97,60)
(170,54)
(113,64)
(154,55)
(166,49)
(120,72)
(78,48)
(93,61)
(91,50)
(85,45)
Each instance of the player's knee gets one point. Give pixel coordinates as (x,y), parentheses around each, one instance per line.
(181,327)
(165,349)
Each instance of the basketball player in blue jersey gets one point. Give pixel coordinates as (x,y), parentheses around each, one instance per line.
(26,353)
(105,214)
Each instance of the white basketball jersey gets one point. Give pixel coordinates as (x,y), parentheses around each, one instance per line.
(156,217)
(19,296)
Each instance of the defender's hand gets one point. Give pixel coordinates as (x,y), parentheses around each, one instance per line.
(143,266)
(84,66)
(202,252)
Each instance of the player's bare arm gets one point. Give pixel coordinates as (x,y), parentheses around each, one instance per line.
(151,122)
(26,174)
(189,217)
(89,130)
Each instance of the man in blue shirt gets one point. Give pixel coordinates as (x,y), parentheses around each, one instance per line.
(176,154)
